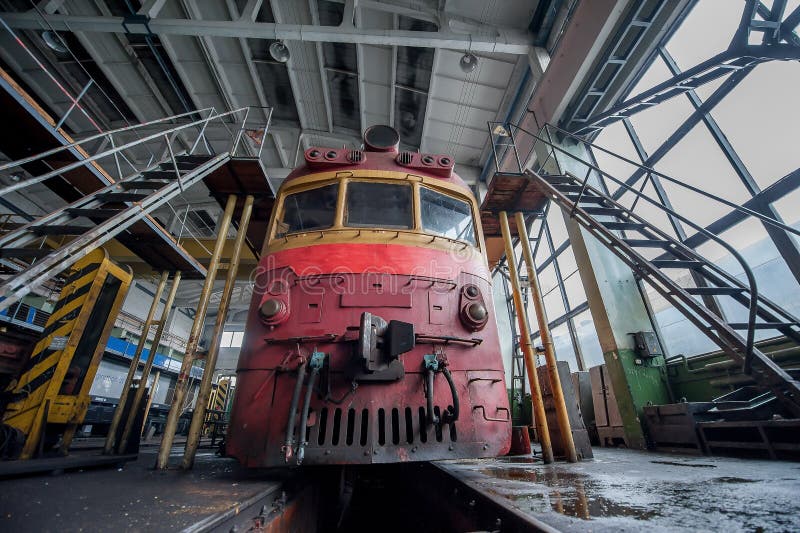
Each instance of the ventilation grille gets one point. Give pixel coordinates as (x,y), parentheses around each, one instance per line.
(355,156)
(405,158)
(352,427)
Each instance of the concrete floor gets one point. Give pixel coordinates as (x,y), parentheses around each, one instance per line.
(625,490)
(132,498)
(619,490)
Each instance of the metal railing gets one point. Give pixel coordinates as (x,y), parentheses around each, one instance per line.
(39,269)
(553,150)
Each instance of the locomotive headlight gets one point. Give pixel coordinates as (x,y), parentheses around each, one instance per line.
(477,312)
(273,311)
(474,314)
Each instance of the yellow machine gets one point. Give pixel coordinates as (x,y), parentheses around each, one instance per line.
(215,411)
(219,397)
(53,387)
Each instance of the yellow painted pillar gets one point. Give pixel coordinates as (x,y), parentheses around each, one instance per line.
(182,383)
(547,342)
(137,399)
(123,399)
(199,414)
(540,419)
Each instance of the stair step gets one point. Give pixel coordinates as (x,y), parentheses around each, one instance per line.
(554,179)
(24,252)
(183,166)
(714,291)
(110,197)
(60,229)
(624,225)
(677,263)
(763,325)
(611,211)
(586,198)
(197,159)
(567,187)
(647,243)
(159,174)
(93,213)
(142,184)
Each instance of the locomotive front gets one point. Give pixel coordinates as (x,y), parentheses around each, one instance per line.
(371,336)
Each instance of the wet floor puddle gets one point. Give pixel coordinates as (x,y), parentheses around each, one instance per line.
(565,493)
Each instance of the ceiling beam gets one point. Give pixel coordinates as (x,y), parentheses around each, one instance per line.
(351,11)
(151,8)
(326,95)
(250,12)
(393,86)
(504,41)
(428,101)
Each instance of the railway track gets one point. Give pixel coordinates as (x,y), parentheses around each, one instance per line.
(419,497)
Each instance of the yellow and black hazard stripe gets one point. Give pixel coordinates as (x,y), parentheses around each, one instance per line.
(70,348)
(221,396)
(39,369)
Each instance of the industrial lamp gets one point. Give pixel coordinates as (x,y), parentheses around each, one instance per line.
(279,52)
(468,62)
(53,42)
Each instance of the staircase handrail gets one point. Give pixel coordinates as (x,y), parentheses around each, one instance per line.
(753,287)
(96,136)
(764,218)
(203,122)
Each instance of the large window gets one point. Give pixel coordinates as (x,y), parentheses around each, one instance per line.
(446,216)
(732,137)
(231,339)
(309,210)
(379,205)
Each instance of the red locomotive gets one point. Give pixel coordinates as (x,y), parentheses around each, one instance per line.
(371,336)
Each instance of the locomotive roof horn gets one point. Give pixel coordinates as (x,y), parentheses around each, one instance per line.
(381,138)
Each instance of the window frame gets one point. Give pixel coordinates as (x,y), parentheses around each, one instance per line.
(281,211)
(415,182)
(401,183)
(470,205)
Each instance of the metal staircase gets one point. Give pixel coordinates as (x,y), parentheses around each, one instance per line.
(634,239)
(40,249)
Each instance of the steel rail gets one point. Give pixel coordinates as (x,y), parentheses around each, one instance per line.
(692,188)
(29,159)
(753,286)
(112,151)
(20,285)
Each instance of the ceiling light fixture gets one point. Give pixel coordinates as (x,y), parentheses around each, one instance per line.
(468,62)
(53,42)
(279,52)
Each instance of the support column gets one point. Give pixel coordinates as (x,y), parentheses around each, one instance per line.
(618,310)
(199,414)
(117,418)
(539,416)
(137,399)
(549,352)
(153,391)
(182,383)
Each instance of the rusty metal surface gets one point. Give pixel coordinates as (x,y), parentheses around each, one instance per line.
(512,193)
(377,422)
(245,176)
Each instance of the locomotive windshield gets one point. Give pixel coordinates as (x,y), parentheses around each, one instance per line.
(309,210)
(381,205)
(446,216)
(377,203)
